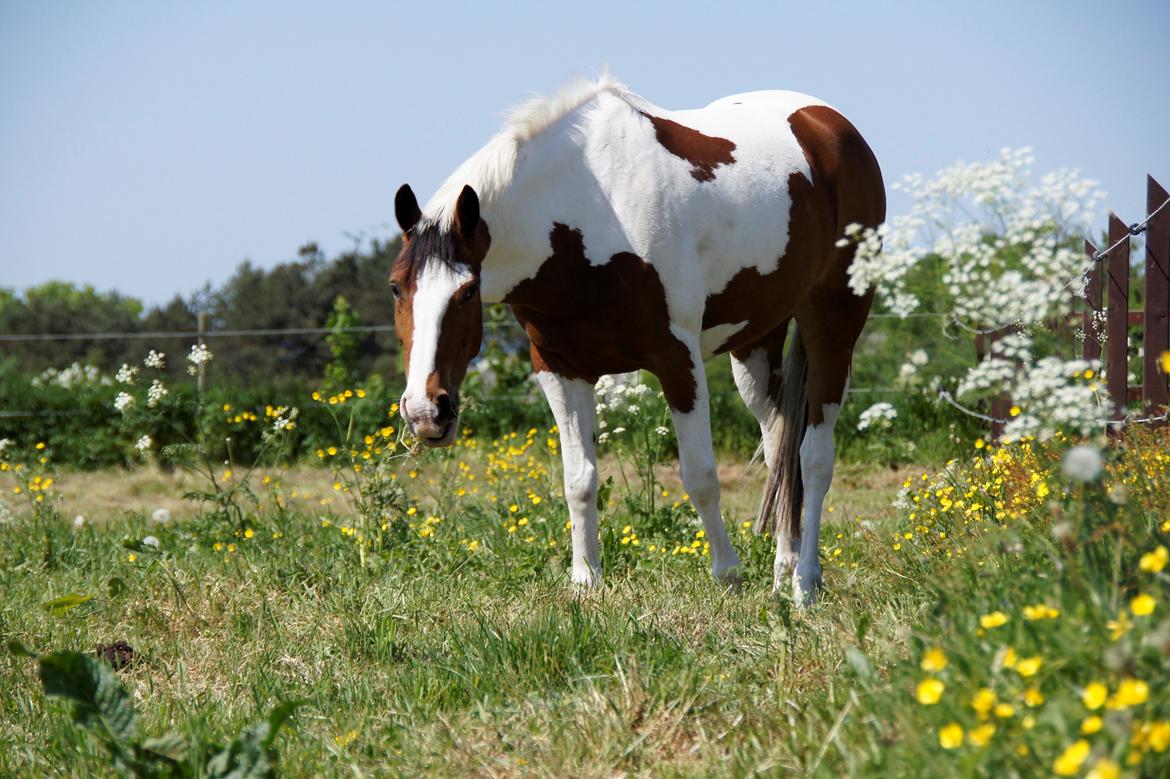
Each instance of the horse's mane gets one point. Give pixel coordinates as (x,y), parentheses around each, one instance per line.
(490,170)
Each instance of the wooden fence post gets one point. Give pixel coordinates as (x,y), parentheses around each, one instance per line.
(1117,327)
(1156,325)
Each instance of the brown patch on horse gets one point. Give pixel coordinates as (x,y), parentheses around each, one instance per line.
(812,275)
(704,152)
(585,320)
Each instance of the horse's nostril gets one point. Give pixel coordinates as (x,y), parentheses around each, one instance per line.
(447,410)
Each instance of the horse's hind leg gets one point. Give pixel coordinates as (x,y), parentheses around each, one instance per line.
(758,377)
(756,370)
(829,326)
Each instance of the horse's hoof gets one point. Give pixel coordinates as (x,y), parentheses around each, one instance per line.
(731,578)
(806,585)
(585,578)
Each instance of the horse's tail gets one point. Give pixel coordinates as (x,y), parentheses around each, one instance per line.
(784,492)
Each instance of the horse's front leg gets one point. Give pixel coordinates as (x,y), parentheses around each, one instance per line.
(686,393)
(576,415)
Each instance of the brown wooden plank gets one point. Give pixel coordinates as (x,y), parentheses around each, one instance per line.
(1091,345)
(1117,326)
(1156,333)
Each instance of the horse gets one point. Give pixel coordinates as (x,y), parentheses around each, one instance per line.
(624,236)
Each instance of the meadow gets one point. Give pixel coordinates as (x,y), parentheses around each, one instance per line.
(383,611)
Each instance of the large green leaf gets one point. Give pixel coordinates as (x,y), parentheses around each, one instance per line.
(99,700)
(250,755)
(65,604)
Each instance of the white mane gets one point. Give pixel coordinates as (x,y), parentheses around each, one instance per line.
(489,170)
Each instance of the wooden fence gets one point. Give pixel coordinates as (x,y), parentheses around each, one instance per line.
(1107,292)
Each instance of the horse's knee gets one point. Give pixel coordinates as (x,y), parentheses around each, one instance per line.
(581,487)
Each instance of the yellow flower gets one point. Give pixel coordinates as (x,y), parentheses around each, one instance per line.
(1033,696)
(934,660)
(1104,768)
(1070,761)
(1155,561)
(950,736)
(993,620)
(1028,666)
(1165,360)
(1014,411)
(249,533)
(1091,725)
(983,700)
(981,735)
(1131,692)
(930,690)
(1143,605)
(1010,658)
(131,557)
(1004,710)
(1158,735)
(1094,695)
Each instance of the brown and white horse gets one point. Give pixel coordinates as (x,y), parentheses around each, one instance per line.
(625,236)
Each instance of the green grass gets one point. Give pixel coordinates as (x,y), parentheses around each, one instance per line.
(420,657)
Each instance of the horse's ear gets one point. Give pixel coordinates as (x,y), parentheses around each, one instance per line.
(467,212)
(406,208)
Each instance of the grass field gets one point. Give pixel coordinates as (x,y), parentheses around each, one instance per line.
(442,638)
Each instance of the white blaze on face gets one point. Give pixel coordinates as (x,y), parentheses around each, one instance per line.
(433,290)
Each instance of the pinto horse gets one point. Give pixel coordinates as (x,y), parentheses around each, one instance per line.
(625,236)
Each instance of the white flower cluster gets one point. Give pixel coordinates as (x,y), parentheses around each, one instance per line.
(73,376)
(155,394)
(1009,254)
(908,373)
(877,416)
(622,393)
(198,355)
(144,444)
(284,418)
(156,360)
(1083,463)
(126,374)
(4,444)
(1004,244)
(123,402)
(1055,395)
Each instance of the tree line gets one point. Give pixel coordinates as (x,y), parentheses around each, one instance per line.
(308,292)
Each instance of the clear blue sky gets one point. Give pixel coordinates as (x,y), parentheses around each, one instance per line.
(152,146)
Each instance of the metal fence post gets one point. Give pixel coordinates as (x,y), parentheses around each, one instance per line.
(1117,326)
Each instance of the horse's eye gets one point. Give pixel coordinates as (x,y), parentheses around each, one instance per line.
(470,292)
(395,290)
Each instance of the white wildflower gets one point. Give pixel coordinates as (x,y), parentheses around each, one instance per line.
(1083,463)
(156,360)
(155,394)
(78,522)
(199,355)
(123,402)
(151,541)
(161,516)
(919,357)
(126,374)
(4,444)
(877,415)
(144,444)
(662,431)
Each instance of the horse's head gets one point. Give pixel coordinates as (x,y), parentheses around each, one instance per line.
(437,310)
